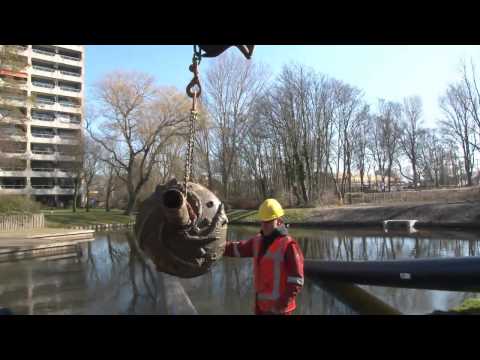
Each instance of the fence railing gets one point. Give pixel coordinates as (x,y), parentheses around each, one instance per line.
(434,195)
(21,222)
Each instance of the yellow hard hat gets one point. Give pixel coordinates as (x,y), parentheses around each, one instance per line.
(270,209)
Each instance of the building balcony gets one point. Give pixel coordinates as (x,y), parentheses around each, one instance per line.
(42,117)
(43,169)
(3,186)
(43,151)
(53,56)
(17,85)
(12,100)
(59,124)
(60,140)
(70,107)
(44,85)
(58,107)
(13,184)
(44,52)
(52,156)
(69,89)
(40,70)
(42,186)
(50,173)
(14,190)
(59,90)
(43,135)
(68,119)
(13,172)
(70,58)
(43,55)
(56,190)
(68,75)
(67,104)
(44,101)
(72,47)
(5,119)
(18,138)
(20,154)
(20,48)
(43,70)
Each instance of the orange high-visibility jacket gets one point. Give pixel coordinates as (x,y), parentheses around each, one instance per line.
(278,274)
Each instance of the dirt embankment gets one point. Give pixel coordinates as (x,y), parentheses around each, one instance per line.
(460,214)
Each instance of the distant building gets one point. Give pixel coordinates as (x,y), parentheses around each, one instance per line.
(51,126)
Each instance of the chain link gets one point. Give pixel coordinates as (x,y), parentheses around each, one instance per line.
(194,94)
(188,161)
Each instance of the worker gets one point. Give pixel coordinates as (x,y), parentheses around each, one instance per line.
(277,259)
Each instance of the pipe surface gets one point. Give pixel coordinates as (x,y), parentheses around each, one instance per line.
(450,274)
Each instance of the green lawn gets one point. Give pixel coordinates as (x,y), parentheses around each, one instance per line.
(469,306)
(291,215)
(65,217)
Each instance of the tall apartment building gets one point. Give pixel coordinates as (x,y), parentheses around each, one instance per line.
(49,127)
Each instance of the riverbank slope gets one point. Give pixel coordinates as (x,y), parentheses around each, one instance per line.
(452,214)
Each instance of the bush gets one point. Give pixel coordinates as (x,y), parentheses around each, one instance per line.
(245,204)
(327,198)
(18,203)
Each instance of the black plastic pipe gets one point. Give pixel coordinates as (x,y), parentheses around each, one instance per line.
(451,274)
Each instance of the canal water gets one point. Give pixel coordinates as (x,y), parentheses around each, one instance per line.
(106,278)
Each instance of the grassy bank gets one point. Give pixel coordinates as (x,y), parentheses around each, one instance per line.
(468,307)
(429,215)
(251,216)
(65,218)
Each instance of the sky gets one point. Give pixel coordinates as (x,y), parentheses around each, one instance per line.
(387,72)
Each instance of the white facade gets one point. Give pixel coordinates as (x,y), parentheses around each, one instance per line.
(54,120)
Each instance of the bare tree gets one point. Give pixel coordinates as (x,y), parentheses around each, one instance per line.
(388,122)
(457,124)
(76,166)
(432,160)
(204,141)
(90,169)
(360,153)
(411,134)
(110,182)
(133,121)
(232,85)
(469,80)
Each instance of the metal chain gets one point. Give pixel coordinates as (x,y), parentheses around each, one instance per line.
(188,161)
(194,94)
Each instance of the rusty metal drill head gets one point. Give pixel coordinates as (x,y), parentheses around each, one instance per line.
(183,236)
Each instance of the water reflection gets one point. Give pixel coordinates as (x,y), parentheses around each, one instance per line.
(111,277)
(108,278)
